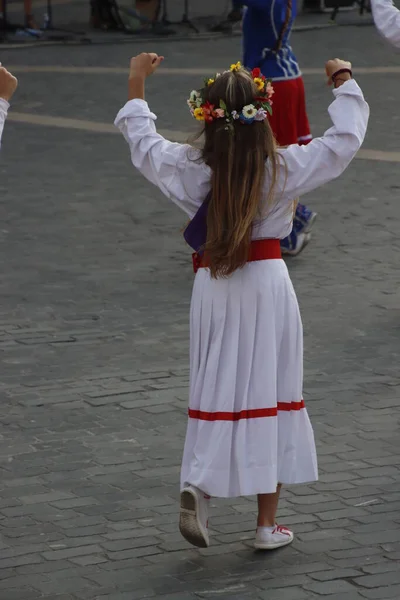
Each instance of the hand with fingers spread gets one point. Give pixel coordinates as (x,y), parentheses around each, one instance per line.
(8,84)
(338,71)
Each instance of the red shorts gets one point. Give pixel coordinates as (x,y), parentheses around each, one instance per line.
(289,120)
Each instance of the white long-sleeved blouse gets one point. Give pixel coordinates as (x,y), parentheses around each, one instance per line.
(4,106)
(387,20)
(186,181)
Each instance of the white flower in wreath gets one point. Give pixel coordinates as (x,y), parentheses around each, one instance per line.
(261,115)
(249,112)
(195,98)
(235,114)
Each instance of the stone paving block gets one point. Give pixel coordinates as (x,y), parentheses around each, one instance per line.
(308,568)
(358,561)
(293,593)
(342,513)
(125,544)
(384,566)
(70,552)
(331,587)
(327,545)
(134,553)
(377,537)
(382,593)
(135,532)
(43,567)
(74,502)
(320,534)
(28,559)
(23,593)
(84,522)
(376,580)
(68,585)
(333,574)
(91,559)
(366,550)
(134,595)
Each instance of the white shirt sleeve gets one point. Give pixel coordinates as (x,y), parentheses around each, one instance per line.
(172,167)
(387,20)
(4,106)
(305,168)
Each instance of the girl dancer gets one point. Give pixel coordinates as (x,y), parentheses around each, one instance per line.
(387,20)
(248,429)
(267,26)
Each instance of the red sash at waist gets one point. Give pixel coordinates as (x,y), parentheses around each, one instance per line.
(259,250)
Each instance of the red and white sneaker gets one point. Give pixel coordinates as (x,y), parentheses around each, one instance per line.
(269,538)
(193,520)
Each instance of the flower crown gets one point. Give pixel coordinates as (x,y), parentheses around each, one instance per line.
(257,111)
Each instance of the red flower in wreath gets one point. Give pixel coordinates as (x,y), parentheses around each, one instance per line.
(208,111)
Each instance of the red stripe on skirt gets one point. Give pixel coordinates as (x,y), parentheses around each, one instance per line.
(255,413)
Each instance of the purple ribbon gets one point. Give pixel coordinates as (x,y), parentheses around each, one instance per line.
(195,233)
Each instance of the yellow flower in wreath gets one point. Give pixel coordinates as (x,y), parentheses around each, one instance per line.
(259,83)
(198,114)
(236,66)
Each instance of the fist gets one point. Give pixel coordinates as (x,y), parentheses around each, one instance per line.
(144,64)
(334,65)
(8,84)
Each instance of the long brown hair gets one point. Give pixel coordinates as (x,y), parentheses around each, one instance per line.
(236,154)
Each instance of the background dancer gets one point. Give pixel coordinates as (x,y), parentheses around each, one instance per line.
(387,20)
(248,430)
(8,85)
(267,25)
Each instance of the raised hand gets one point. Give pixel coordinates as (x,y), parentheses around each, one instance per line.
(8,84)
(335,65)
(144,64)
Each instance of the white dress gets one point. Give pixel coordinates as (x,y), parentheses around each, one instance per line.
(387,20)
(248,428)
(4,106)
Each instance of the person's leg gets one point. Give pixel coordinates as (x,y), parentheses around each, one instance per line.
(267,508)
(269,535)
(29,20)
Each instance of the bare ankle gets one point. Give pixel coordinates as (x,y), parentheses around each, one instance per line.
(263,522)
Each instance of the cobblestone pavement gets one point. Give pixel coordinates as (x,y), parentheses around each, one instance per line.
(95,286)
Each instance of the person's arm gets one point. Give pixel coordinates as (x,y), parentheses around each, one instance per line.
(8,85)
(387,20)
(305,168)
(165,164)
(4,106)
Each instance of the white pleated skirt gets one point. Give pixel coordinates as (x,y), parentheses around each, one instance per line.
(248,428)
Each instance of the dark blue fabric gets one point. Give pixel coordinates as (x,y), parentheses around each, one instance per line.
(263,21)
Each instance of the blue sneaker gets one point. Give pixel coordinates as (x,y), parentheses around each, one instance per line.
(294,243)
(304,219)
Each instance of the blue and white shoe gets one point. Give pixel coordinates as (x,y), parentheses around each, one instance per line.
(294,243)
(304,219)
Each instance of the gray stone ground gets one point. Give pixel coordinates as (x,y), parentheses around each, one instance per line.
(95,287)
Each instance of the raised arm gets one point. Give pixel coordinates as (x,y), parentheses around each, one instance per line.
(171,167)
(387,20)
(8,85)
(3,115)
(306,168)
